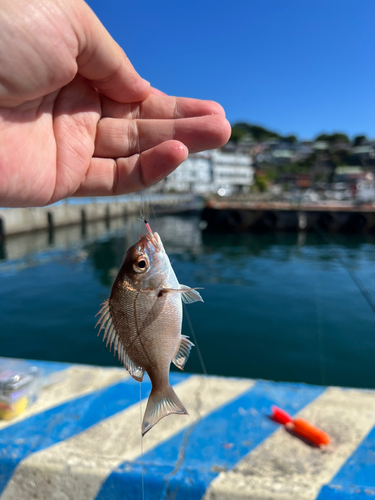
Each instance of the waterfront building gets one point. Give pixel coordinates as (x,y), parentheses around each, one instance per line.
(231,173)
(193,175)
(360,182)
(212,172)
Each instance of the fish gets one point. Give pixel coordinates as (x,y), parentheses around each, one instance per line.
(142,319)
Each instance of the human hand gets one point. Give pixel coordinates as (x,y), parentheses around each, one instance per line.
(76,118)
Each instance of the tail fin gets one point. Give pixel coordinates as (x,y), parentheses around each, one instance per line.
(161,403)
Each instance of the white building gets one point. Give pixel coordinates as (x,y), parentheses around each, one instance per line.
(193,175)
(231,173)
(212,172)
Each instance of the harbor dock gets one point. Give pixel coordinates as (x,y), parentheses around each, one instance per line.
(231,215)
(217,214)
(81,440)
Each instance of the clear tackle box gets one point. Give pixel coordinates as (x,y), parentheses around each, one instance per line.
(20,384)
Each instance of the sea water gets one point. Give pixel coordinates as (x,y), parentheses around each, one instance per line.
(278,306)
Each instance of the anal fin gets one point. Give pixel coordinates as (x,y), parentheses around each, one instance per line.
(183,352)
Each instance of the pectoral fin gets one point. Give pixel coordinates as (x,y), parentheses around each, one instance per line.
(189,295)
(183,352)
(110,333)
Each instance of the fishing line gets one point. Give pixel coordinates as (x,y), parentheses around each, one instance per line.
(150,205)
(168,493)
(361,287)
(141,213)
(140,417)
(195,341)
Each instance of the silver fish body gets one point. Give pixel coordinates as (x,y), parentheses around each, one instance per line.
(143,319)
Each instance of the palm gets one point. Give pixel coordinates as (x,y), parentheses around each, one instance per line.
(41,163)
(45,151)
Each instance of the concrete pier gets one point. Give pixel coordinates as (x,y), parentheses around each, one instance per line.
(280,216)
(80,211)
(81,441)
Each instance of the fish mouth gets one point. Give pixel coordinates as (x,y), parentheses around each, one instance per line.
(154,238)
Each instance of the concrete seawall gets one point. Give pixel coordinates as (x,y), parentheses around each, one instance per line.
(20,220)
(81,441)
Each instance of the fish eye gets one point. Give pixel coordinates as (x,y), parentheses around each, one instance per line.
(140,264)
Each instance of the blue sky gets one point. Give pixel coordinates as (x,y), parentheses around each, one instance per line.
(294,66)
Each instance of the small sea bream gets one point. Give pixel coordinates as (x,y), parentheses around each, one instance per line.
(142,319)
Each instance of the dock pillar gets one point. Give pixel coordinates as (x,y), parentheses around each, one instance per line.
(2,230)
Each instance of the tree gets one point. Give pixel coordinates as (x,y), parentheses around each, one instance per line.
(359,140)
(339,137)
(259,133)
(333,138)
(290,139)
(322,137)
(261,182)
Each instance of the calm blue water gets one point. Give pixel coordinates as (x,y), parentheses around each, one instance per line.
(277,306)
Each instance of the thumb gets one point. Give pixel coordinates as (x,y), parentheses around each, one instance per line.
(102,61)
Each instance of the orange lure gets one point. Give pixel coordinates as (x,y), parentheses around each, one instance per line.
(301,427)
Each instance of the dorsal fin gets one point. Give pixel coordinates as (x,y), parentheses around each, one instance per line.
(110,333)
